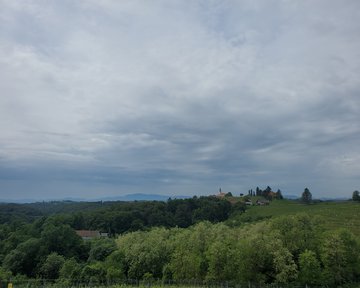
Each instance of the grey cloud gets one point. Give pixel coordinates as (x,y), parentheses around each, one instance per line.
(179,96)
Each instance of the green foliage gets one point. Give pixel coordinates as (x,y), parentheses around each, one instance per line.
(334,215)
(114,265)
(188,260)
(63,240)
(256,255)
(70,271)
(142,256)
(93,274)
(10,212)
(4,275)
(51,267)
(298,232)
(310,270)
(220,256)
(24,258)
(340,257)
(101,248)
(284,265)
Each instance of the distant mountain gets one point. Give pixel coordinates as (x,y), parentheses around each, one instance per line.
(17,201)
(128,197)
(29,200)
(334,199)
(142,197)
(291,197)
(294,197)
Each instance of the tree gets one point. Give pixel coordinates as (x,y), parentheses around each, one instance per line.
(306,196)
(267,192)
(340,257)
(101,248)
(309,268)
(4,275)
(114,265)
(298,232)
(144,252)
(356,196)
(220,255)
(285,267)
(70,272)
(52,265)
(188,259)
(279,195)
(63,240)
(93,274)
(14,261)
(25,258)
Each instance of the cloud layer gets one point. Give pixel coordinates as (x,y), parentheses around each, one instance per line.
(102,98)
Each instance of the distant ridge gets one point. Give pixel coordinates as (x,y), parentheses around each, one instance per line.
(127,197)
(142,197)
(291,197)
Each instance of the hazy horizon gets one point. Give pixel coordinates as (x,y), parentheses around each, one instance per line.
(106,98)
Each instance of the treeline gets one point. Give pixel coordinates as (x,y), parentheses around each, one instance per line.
(286,250)
(18,212)
(267,193)
(120,217)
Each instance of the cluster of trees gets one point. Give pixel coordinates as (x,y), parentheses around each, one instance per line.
(32,244)
(132,216)
(267,193)
(285,250)
(292,249)
(24,247)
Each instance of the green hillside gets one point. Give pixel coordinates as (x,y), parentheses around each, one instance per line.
(335,214)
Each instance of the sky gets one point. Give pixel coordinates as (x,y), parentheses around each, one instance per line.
(107,98)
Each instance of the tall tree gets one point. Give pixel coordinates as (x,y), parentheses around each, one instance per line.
(306,196)
(279,195)
(356,195)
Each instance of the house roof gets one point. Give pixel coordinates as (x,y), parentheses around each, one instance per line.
(88,233)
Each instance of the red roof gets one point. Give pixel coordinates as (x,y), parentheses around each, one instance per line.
(88,233)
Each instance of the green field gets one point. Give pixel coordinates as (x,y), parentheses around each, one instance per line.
(335,214)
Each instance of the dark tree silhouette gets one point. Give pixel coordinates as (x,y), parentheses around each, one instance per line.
(356,196)
(306,196)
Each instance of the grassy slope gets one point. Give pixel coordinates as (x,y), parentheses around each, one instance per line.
(335,214)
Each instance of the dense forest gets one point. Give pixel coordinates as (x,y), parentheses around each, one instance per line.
(206,239)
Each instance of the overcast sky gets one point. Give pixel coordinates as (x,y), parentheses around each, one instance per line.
(105,98)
